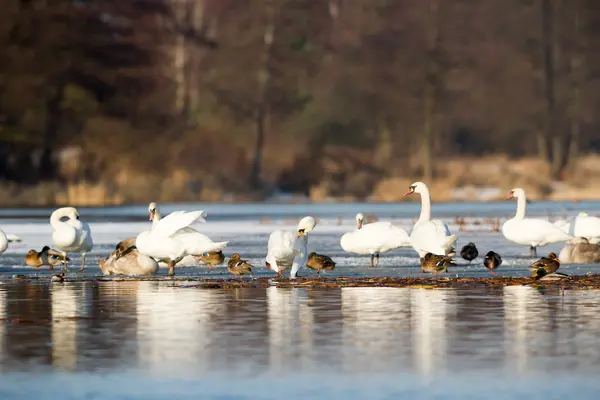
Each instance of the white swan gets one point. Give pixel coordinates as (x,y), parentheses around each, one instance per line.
(374,238)
(532,232)
(165,241)
(429,236)
(71,235)
(3,242)
(289,249)
(581,225)
(196,243)
(127,260)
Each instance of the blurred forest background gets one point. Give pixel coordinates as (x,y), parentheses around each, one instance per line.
(108,102)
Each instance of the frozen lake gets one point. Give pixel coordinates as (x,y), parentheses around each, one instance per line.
(169,340)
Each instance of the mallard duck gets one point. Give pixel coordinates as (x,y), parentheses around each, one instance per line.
(320,262)
(45,257)
(239,267)
(213,258)
(60,278)
(550,264)
(492,261)
(434,263)
(469,252)
(542,274)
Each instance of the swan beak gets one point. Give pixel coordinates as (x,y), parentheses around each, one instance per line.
(359,224)
(300,234)
(410,191)
(510,196)
(151,215)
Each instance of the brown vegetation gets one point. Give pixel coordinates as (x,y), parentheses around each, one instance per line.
(108,102)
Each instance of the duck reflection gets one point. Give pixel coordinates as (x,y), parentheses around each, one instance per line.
(290,328)
(68,305)
(167,317)
(430,328)
(376,327)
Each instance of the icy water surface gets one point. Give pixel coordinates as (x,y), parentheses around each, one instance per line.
(171,340)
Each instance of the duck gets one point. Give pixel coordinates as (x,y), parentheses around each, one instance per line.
(72,235)
(3,241)
(581,225)
(429,236)
(165,240)
(543,275)
(551,263)
(492,261)
(212,258)
(532,232)
(287,249)
(127,260)
(435,263)
(197,244)
(45,257)
(580,251)
(239,267)
(318,262)
(59,278)
(469,252)
(374,239)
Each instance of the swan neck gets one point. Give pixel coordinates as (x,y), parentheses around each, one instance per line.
(521,204)
(55,218)
(425,206)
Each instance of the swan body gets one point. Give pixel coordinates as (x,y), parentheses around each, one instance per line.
(429,236)
(71,235)
(127,260)
(580,251)
(196,244)
(163,241)
(289,249)
(533,232)
(581,225)
(374,238)
(3,242)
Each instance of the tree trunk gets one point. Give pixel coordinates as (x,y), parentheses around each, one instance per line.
(180,11)
(261,106)
(431,89)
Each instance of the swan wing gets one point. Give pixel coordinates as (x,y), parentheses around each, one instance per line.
(432,237)
(176,221)
(377,237)
(281,247)
(533,231)
(196,243)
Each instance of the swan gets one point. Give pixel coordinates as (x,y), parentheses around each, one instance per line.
(197,243)
(127,260)
(532,232)
(429,236)
(581,225)
(3,242)
(374,238)
(289,249)
(72,235)
(165,241)
(580,251)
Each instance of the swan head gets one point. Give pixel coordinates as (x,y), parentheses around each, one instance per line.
(68,212)
(515,193)
(417,187)
(306,225)
(152,207)
(359,220)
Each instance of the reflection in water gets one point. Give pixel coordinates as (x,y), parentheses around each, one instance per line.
(175,327)
(290,328)
(2,325)
(376,322)
(430,330)
(67,305)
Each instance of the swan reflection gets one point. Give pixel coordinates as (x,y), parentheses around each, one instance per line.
(3,315)
(175,327)
(291,323)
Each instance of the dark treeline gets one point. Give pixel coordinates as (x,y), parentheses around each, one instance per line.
(246,94)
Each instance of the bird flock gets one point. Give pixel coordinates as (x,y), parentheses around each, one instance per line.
(171,241)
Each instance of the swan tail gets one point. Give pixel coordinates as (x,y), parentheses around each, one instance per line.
(449,242)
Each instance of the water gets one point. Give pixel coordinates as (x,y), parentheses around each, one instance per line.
(171,340)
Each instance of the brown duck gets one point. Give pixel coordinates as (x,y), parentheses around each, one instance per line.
(550,264)
(492,261)
(45,257)
(434,263)
(239,267)
(213,258)
(320,262)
